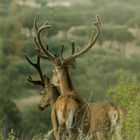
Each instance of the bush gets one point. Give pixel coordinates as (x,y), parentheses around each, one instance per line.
(9,115)
(121,14)
(126,94)
(35,122)
(11,135)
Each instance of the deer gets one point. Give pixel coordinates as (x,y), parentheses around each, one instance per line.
(104,117)
(62,79)
(49,92)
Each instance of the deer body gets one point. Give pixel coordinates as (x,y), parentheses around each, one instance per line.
(63,114)
(104,118)
(100,116)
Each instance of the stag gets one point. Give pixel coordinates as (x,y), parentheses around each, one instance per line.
(61,64)
(108,114)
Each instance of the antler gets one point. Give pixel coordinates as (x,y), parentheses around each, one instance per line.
(90,44)
(38,68)
(47,55)
(39,43)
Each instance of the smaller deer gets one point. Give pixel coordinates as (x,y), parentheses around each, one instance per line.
(49,92)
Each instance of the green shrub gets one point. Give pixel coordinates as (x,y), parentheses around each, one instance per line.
(11,135)
(9,115)
(35,122)
(126,94)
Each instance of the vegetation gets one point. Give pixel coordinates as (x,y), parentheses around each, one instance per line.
(126,94)
(117,50)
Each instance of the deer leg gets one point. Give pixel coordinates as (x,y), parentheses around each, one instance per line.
(52,137)
(61,133)
(117,133)
(54,123)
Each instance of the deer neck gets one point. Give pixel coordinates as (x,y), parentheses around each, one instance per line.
(55,94)
(65,81)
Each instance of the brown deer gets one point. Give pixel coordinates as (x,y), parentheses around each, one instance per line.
(49,92)
(100,113)
(104,117)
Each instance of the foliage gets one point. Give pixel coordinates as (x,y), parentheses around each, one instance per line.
(11,135)
(9,115)
(101,69)
(116,33)
(1,131)
(41,122)
(126,94)
(42,2)
(120,15)
(134,22)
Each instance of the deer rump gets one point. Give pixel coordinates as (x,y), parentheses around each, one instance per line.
(64,113)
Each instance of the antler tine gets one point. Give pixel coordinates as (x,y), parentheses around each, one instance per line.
(28,59)
(38,50)
(36,82)
(37,66)
(41,54)
(62,50)
(73,48)
(47,47)
(90,44)
(39,41)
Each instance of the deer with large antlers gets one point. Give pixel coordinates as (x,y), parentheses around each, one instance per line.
(62,79)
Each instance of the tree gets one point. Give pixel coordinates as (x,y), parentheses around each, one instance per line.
(41,2)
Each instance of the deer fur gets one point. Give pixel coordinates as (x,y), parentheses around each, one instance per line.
(64,114)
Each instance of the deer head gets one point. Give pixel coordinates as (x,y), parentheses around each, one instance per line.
(61,64)
(49,93)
